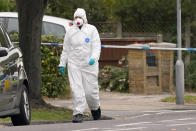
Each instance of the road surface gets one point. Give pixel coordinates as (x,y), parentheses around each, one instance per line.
(163,120)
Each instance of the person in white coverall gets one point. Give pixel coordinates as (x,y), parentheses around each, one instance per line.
(80,55)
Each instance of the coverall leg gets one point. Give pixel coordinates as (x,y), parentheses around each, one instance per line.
(90,84)
(78,93)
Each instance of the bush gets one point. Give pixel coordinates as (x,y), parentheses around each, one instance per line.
(53,83)
(114,78)
(14,37)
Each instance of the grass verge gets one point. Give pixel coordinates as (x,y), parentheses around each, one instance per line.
(45,113)
(187,99)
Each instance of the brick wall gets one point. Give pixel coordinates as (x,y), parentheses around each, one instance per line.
(150,77)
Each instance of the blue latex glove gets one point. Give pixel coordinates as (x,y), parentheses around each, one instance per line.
(91,62)
(62,70)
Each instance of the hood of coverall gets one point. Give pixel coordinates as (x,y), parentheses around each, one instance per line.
(81,13)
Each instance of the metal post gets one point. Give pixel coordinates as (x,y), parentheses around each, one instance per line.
(179,63)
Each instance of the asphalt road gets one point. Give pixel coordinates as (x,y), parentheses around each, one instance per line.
(164,120)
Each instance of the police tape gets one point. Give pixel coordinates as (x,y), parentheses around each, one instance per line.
(54,44)
(132,47)
(147,47)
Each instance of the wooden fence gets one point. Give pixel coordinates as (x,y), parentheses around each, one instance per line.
(111,56)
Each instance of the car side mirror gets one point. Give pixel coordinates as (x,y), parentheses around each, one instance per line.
(3,51)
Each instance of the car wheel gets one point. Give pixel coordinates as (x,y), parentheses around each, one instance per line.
(24,117)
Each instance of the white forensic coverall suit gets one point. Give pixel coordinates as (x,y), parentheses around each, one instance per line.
(81,45)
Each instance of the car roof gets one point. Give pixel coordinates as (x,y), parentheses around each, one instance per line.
(46,18)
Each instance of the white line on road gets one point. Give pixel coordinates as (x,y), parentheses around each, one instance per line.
(107,129)
(150,111)
(167,112)
(184,119)
(182,124)
(184,111)
(140,116)
(153,124)
(128,129)
(90,129)
(131,124)
(156,111)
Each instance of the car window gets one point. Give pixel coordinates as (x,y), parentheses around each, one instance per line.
(1,20)
(54,29)
(4,21)
(12,26)
(3,41)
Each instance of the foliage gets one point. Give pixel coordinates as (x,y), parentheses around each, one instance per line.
(51,39)
(95,9)
(3,5)
(135,15)
(144,14)
(14,37)
(114,78)
(190,79)
(53,83)
(7,5)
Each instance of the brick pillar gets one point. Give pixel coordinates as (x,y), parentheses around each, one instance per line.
(137,70)
(153,75)
(167,66)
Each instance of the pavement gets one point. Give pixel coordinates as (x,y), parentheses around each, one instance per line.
(117,105)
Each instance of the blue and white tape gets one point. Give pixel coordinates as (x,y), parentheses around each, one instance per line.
(191,49)
(53,44)
(132,47)
(147,48)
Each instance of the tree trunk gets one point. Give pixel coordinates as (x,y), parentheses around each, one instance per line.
(30,14)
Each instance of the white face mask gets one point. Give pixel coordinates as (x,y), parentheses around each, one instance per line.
(78,22)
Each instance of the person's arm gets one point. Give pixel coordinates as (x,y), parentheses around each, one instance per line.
(96,45)
(65,51)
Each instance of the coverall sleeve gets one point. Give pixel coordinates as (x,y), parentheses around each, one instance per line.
(96,45)
(65,52)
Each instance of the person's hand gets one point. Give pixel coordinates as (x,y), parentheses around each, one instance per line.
(62,70)
(91,62)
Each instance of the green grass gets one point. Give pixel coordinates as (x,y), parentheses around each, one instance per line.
(4,119)
(51,114)
(48,114)
(187,99)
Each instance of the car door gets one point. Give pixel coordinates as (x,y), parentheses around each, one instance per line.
(7,89)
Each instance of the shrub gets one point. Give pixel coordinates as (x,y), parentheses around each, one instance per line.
(53,83)
(114,78)
(14,37)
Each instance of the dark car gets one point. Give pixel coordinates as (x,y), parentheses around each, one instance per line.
(14,88)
